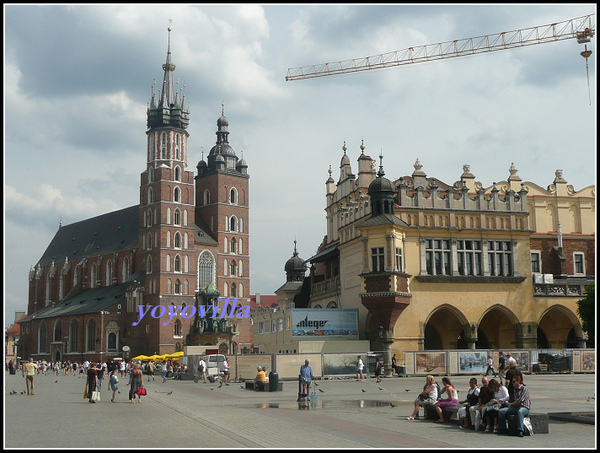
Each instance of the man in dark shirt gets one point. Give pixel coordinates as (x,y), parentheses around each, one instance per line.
(510,374)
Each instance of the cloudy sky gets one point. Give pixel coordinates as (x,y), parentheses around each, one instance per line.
(77,80)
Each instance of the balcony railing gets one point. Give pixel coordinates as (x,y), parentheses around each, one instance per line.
(332,284)
(561,288)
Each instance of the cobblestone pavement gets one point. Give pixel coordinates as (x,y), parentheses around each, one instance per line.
(208,416)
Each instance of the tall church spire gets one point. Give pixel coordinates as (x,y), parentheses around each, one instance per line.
(168,91)
(170,110)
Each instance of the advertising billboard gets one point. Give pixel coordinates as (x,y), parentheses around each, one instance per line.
(324,322)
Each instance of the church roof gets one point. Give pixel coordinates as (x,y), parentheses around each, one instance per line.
(88,301)
(117,230)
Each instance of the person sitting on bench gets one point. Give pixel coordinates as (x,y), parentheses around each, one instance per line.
(260,380)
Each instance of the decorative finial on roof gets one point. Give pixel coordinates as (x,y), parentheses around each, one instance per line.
(362,146)
(381,173)
(329,171)
(344,147)
(418,165)
(295,251)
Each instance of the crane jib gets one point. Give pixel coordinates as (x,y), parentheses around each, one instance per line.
(582,28)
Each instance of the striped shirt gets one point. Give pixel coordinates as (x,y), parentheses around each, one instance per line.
(522,397)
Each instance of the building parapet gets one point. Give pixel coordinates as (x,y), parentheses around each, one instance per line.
(426,193)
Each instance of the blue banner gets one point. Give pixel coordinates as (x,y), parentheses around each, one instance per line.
(325,322)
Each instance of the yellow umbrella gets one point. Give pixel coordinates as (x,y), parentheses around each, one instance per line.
(155,358)
(140,357)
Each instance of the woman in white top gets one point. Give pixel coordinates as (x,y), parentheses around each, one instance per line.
(427,397)
(490,411)
(451,401)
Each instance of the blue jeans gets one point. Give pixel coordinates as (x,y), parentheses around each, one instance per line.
(520,412)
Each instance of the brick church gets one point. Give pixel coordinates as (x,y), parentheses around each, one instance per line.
(188,233)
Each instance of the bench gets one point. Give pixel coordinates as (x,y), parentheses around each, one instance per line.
(264,386)
(450,414)
(539,423)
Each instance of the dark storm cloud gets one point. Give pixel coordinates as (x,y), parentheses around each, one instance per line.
(62,53)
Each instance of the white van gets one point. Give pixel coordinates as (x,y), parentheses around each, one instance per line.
(214,362)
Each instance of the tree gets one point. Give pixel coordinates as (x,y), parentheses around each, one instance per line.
(586,309)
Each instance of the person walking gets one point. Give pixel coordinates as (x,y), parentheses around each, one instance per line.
(92,381)
(501,364)
(359,369)
(378,369)
(226,373)
(151,368)
(29,372)
(306,375)
(113,380)
(490,367)
(137,380)
(100,373)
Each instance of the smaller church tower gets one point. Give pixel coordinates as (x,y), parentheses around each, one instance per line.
(222,204)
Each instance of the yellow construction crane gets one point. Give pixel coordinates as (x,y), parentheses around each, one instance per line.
(582,28)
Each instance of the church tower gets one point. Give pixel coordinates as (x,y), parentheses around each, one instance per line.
(167,227)
(222,204)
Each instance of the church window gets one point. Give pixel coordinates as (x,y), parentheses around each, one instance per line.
(169,286)
(112,341)
(177,152)
(91,335)
(233,290)
(177,287)
(206,265)
(93,276)
(177,264)
(42,337)
(109,273)
(177,195)
(233,245)
(206,196)
(177,328)
(177,173)
(232,223)
(579,263)
(177,240)
(164,146)
(73,336)
(233,196)
(125,274)
(233,268)
(177,217)
(150,195)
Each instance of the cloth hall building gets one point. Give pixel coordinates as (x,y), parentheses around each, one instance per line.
(431,265)
(189,230)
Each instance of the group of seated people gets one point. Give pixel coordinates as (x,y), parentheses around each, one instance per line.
(485,408)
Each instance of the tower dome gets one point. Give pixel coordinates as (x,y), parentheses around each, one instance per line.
(295,267)
(381,192)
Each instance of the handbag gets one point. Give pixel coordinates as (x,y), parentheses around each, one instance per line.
(85,392)
(95,395)
(141,391)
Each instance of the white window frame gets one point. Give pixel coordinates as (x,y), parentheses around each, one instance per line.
(582,255)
